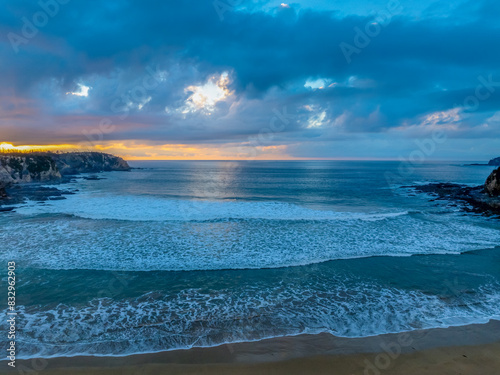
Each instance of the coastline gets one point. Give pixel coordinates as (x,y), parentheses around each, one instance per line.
(311,353)
(24,175)
(472,349)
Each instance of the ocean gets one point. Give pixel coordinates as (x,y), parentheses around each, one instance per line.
(182,254)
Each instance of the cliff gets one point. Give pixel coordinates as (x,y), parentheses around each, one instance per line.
(16,168)
(40,167)
(88,162)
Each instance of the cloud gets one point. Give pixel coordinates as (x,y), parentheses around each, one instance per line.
(222,80)
(82,91)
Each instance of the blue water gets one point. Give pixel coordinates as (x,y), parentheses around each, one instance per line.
(183,254)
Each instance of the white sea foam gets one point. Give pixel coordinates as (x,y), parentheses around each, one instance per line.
(56,242)
(140,208)
(99,231)
(194,318)
(150,233)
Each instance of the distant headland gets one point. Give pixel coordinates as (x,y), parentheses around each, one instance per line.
(26,167)
(493,162)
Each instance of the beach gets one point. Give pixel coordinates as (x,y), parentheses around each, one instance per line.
(472,349)
(250,187)
(291,265)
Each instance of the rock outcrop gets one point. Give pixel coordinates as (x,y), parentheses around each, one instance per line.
(40,167)
(494,162)
(492,185)
(483,199)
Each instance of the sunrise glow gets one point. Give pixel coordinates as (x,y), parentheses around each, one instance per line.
(9,147)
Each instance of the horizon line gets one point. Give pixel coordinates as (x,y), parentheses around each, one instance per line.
(314,159)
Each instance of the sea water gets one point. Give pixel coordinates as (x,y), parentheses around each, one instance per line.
(184,254)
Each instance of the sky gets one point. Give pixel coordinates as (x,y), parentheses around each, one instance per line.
(252,79)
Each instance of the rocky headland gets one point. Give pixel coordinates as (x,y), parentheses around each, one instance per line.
(483,199)
(495,162)
(20,172)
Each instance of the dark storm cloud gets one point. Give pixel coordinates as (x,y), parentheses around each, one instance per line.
(413,67)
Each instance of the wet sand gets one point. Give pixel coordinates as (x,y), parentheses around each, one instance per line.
(468,350)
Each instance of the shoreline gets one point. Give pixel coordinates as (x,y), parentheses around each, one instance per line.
(301,337)
(309,353)
(42,191)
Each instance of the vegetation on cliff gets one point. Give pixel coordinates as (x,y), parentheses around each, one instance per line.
(19,167)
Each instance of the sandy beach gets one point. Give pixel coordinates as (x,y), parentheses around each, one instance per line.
(472,349)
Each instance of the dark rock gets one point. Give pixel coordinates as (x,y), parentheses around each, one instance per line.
(20,193)
(3,192)
(470,199)
(69,192)
(494,162)
(492,185)
(93,178)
